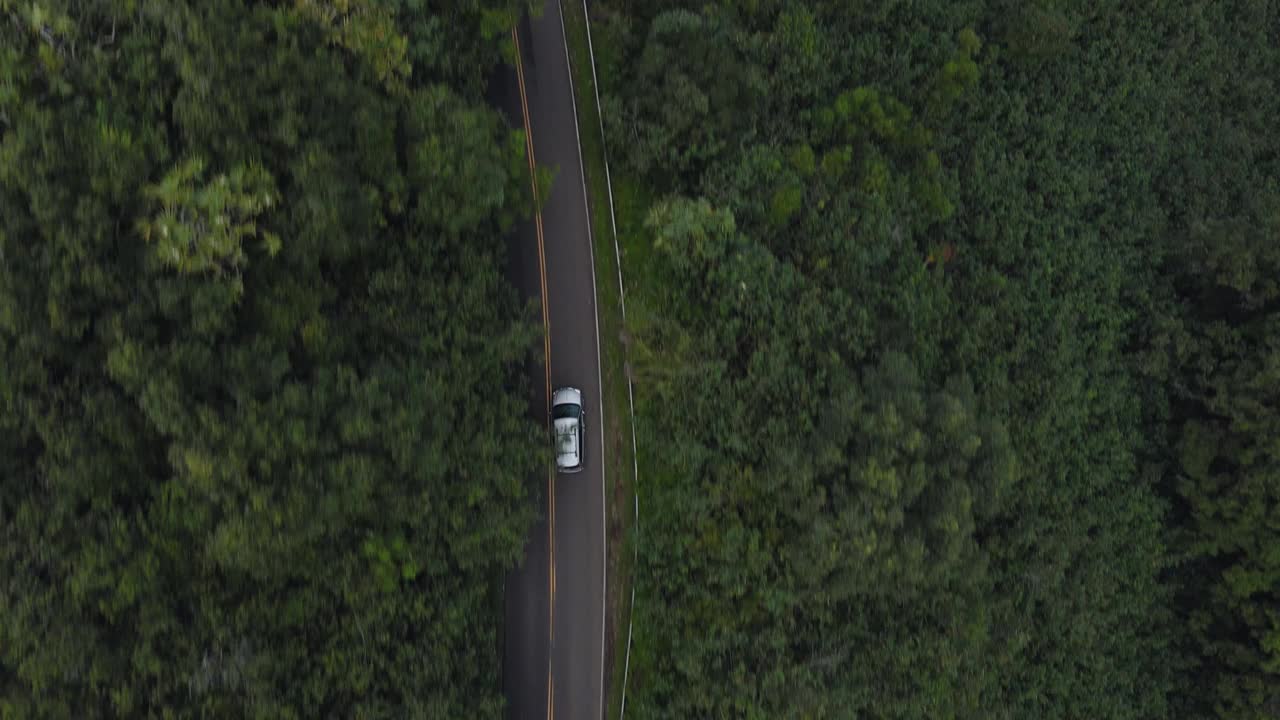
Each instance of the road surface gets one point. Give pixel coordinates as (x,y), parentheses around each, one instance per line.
(554,641)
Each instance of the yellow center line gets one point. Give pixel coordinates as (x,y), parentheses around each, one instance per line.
(546,347)
(537,211)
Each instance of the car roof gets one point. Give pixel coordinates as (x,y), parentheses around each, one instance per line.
(567,439)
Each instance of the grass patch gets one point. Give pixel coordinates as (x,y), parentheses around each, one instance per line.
(619,457)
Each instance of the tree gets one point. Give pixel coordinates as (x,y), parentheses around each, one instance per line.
(988,212)
(264,438)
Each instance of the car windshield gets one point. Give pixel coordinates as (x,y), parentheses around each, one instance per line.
(566,411)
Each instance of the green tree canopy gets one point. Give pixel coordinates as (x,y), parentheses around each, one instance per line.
(262,416)
(1061,217)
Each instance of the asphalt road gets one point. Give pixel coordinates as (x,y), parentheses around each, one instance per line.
(554,642)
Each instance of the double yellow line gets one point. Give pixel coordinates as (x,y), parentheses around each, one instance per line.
(546,348)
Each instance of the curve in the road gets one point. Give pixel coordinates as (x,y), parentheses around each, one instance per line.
(574,552)
(591,244)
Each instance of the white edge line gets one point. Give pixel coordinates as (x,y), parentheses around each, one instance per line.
(595,297)
(622,296)
(622,710)
(617,252)
(631,403)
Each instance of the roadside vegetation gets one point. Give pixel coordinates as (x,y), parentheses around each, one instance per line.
(956,336)
(263,424)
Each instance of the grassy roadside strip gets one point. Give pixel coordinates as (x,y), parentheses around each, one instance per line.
(619,456)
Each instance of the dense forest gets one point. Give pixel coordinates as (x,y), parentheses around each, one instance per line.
(955,327)
(956,332)
(263,418)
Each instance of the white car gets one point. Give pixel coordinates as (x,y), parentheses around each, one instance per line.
(568,420)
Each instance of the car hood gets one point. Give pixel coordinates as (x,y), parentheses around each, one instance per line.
(567,396)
